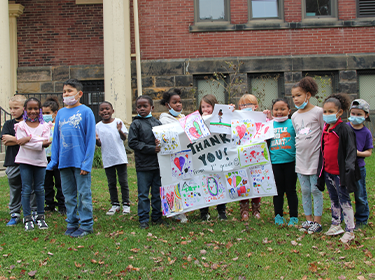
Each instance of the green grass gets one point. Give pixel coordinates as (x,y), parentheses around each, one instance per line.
(196,250)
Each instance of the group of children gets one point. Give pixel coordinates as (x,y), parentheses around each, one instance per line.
(317,147)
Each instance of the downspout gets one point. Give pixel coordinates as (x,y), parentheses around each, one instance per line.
(137,48)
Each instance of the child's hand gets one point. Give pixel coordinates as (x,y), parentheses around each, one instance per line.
(157,142)
(119,126)
(268,114)
(205,114)
(233,107)
(157,149)
(46,143)
(83,172)
(97,137)
(23,140)
(8,138)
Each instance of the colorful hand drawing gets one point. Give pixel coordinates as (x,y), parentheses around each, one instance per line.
(171,201)
(213,188)
(264,131)
(192,193)
(262,180)
(242,131)
(169,141)
(221,119)
(194,126)
(238,184)
(181,164)
(253,154)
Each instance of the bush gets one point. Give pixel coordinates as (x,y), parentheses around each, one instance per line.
(97,163)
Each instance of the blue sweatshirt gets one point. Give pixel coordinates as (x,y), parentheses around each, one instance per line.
(74,140)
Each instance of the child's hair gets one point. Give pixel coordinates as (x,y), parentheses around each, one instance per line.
(109,103)
(280,99)
(148,98)
(209,99)
(248,98)
(53,103)
(40,117)
(74,83)
(308,84)
(168,94)
(341,101)
(18,98)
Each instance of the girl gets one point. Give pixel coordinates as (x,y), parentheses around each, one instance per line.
(50,109)
(283,157)
(110,134)
(308,125)
(32,135)
(338,166)
(249,102)
(206,108)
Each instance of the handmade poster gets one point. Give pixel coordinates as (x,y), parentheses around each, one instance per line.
(221,119)
(253,154)
(181,163)
(194,126)
(169,139)
(214,189)
(170,199)
(238,184)
(192,193)
(263,131)
(242,131)
(262,179)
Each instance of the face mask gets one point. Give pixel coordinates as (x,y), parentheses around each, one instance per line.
(330,118)
(148,116)
(173,112)
(356,120)
(71,100)
(48,118)
(281,119)
(303,105)
(247,109)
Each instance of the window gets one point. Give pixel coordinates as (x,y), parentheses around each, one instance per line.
(211,10)
(93,95)
(320,9)
(208,85)
(327,84)
(265,9)
(365,8)
(266,87)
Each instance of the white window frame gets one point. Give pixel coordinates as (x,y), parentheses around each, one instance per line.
(278,19)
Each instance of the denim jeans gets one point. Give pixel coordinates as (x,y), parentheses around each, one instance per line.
(32,179)
(146,180)
(308,188)
(74,184)
(362,210)
(112,183)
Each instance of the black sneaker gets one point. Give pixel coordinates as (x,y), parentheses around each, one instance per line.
(41,222)
(28,222)
(159,222)
(62,211)
(205,217)
(144,225)
(223,216)
(50,208)
(315,228)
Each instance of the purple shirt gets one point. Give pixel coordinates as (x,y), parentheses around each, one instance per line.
(364,142)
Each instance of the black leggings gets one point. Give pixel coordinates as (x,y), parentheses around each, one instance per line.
(285,178)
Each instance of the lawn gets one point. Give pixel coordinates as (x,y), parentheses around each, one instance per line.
(196,250)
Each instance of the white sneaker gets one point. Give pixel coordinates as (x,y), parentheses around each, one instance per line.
(180,217)
(348,236)
(113,210)
(334,230)
(125,209)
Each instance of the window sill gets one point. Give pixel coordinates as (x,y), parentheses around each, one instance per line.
(265,25)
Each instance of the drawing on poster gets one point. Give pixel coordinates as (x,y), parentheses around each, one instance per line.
(171,199)
(169,141)
(194,126)
(192,193)
(263,131)
(213,188)
(242,131)
(253,154)
(181,164)
(221,119)
(238,184)
(262,180)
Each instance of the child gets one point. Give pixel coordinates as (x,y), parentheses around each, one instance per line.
(283,158)
(359,112)
(33,136)
(73,150)
(110,134)
(308,125)
(206,108)
(338,166)
(50,108)
(142,141)
(249,102)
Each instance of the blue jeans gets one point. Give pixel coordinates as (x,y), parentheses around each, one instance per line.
(146,180)
(74,184)
(32,179)
(362,210)
(308,188)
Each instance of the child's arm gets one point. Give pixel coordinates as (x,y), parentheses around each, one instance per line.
(27,141)
(90,140)
(366,153)
(136,144)
(55,145)
(7,134)
(122,134)
(98,142)
(9,140)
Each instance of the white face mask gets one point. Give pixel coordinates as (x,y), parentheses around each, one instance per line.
(281,119)
(71,100)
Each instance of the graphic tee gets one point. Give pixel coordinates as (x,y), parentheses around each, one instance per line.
(282,146)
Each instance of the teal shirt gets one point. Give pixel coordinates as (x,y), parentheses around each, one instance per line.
(283,146)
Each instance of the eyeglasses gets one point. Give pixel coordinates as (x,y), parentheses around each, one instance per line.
(246,104)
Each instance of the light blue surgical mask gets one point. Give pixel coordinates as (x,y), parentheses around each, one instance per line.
(356,120)
(302,106)
(48,118)
(173,112)
(148,116)
(332,118)
(247,109)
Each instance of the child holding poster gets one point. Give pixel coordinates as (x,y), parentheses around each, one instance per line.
(308,125)
(283,156)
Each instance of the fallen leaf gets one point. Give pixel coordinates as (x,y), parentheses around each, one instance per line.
(368,254)
(35,238)
(342,277)
(205,264)
(49,253)
(135,250)
(294,243)
(361,277)
(203,252)
(267,267)
(229,245)
(183,242)
(269,249)
(77,264)
(249,255)
(234,259)
(214,266)
(371,275)
(189,259)
(313,267)
(80,247)
(32,273)
(93,261)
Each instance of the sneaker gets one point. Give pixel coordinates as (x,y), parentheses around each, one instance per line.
(80,233)
(182,217)
(315,228)
(143,225)
(293,221)
(113,210)
(125,209)
(159,221)
(348,236)
(62,211)
(14,220)
(279,221)
(205,217)
(306,225)
(50,208)
(28,222)
(334,230)
(41,222)
(34,214)
(69,231)
(359,226)
(223,216)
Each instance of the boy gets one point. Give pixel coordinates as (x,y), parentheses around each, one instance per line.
(142,141)
(359,112)
(73,150)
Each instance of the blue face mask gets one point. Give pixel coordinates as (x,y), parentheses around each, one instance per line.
(303,105)
(148,116)
(356,120)
(48,118)
(173,112)
(332,118)
(247,109)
